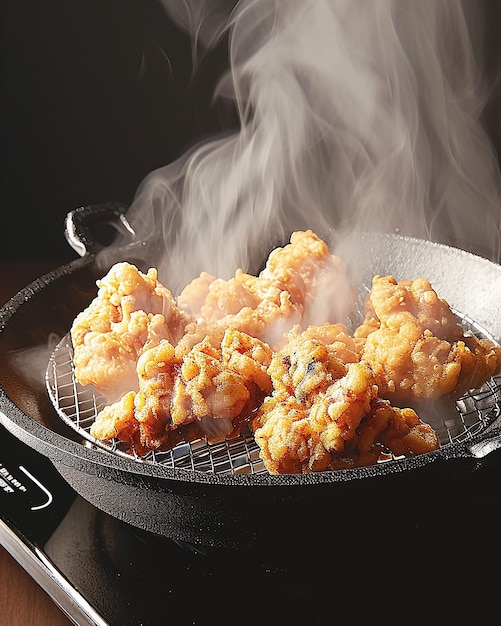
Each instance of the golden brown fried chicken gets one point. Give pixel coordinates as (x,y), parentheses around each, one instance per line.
(415,346)
(117,420)
(131,313)
(263,310)
(417,297)
(296,436)
(271,350)
(301,284)
(399,430)
(336,336)
(317,402)
(482,359)
(324,412)
(316,280)
(249,356)
(208,392)
(305,366)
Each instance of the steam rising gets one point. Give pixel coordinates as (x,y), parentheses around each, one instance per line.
(354,114)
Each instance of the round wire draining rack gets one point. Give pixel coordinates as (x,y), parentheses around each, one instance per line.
(78,406)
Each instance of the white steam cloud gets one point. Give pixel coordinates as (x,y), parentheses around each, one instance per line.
(354,114)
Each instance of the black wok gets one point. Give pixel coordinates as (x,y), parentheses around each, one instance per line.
(242,510)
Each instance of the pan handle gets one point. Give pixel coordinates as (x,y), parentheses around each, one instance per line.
(89,229)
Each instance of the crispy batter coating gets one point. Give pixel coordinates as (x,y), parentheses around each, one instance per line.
(325,413)
(336,336)
(416,347)
(399,430)
(481,360)
(207,388)
(116,421)
(131,313)
(301,284)
(417,297)
(297,436)
(304,367)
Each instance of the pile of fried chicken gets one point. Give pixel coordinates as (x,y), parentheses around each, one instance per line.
(272,354)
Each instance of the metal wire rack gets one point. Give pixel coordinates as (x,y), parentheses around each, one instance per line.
(79,405)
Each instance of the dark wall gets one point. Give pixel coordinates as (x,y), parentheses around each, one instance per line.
(95,94)
(492,64)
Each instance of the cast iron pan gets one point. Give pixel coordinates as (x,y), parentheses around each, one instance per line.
(227,510)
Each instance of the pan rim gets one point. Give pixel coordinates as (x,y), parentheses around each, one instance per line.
(34,434)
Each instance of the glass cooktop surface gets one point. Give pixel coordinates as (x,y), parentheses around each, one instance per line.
(100,570)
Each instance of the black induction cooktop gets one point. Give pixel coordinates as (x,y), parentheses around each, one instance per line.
(100,570)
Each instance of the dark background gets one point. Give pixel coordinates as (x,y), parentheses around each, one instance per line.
(96,94)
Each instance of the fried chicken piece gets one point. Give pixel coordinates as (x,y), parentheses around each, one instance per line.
(416,347)
(337,337)
(249,356)
(417,297)
(295,436)
(325,413)
(301,284)
(193,296)
(399,430)
(212,387)
(157,369)
(131,313)
(318,400)
(482,361)
(208,392)
(303,367)
(387,429)
(263,310)
(315,279)
(141,418)
(117,420)
(296,264)
(346,426)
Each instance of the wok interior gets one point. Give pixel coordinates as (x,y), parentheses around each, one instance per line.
(41,312)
